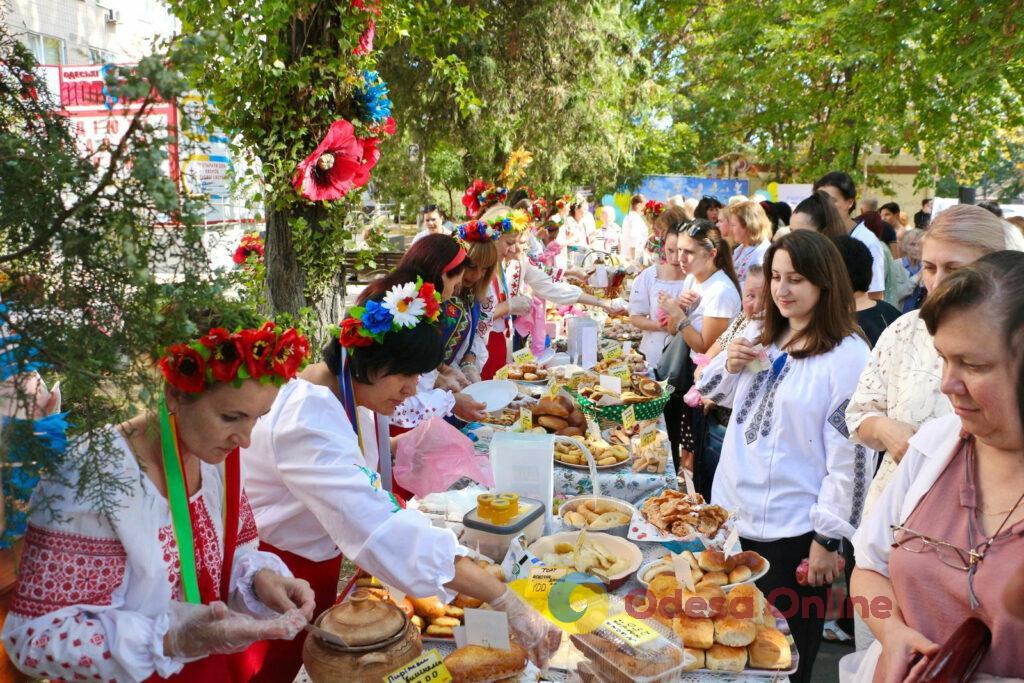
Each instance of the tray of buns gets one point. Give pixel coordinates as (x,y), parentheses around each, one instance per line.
(711,567)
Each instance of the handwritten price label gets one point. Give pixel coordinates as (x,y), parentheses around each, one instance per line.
(629,417)
(502,373)
(427,668)
(631,630)
(648,436)
(523,356)
(526,419)
(553,389)
(621,371)
(613,353)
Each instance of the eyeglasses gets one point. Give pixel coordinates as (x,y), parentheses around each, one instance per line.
(964,559)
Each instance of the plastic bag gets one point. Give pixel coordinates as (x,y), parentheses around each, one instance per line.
(435,455)
(533,324)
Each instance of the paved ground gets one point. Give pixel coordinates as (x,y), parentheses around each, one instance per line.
(826,666)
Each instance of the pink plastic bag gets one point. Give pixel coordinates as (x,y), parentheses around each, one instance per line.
(435,455)
(534,325)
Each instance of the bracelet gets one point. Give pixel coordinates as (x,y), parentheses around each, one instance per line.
(829,544)
(685,322)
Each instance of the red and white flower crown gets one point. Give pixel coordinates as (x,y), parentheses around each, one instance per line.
(404,305)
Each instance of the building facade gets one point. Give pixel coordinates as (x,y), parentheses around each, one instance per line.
(74,32)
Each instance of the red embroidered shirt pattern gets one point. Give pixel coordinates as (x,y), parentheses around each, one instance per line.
(207,544)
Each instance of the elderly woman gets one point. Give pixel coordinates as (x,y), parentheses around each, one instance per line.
(937,547)
(752,231)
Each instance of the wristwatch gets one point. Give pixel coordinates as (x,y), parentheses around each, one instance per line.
(829,544)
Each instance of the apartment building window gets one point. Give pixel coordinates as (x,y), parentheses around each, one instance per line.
(100,56)
(46,49)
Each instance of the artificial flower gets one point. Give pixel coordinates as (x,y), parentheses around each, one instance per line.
(470,199)
(340,163)
(431,300)
(184,368)
(289,353)
(539,208)
(251,244)
(404,304)
(365,45)
(519,220)
(377,319)
(374,105)
(351,333)
(388,127)
(364,6)
(225,354)
(258,350)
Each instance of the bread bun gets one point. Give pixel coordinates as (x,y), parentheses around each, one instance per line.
(740,574)
(551,423)
(664,585)
(475,663)
(577,418)
(725,658)
(748,558)
(715,578)
(698,633)
(565,402)
(770,650)
(572,431)
(550,406)
(698,658)
(706,601)
(428,608)
(711,561)
(735,632)
(745,602)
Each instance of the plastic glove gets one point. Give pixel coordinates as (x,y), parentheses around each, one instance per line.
(201,630)
(519,305)
(472,373)
(539,636)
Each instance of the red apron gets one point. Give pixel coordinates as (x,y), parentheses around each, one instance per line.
(279,661)
(497,348)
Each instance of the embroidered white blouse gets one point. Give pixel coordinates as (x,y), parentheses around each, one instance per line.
(787,466)
(428,403)
(743,257)
(523,277)
(901,381)
(313,494)
(93,592)
(643,300)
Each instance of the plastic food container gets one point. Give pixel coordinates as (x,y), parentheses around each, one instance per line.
(493,539)
(626,650)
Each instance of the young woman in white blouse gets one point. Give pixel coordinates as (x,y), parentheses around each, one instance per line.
(751,231)
(312,475)
(709,302)
(787,468)
(667,278)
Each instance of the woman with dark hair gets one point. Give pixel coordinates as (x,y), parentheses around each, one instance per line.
(818,213)
(468,313)
(439,260)
(872,316)
(707,208)
(939,546)
(668,278)
(787,465)
(709,301)
(313,479)
(634,230)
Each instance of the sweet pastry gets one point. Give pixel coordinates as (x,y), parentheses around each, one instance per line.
(770,650)
(464,601)
(428,608)
(740,574)
(551,422)
(475,663)
(627,663)
(712,561)
(735,632)
(697,656)
(550,406)
(725,658)
(694,633)
(439,631)
(715,578)
(746,602)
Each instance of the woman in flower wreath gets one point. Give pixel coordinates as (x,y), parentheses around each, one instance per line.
(173,582)
(518,281)
(468,314)
(311,472)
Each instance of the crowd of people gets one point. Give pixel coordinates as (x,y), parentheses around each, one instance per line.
(847,380)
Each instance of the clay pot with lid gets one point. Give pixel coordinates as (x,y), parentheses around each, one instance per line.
(380,639)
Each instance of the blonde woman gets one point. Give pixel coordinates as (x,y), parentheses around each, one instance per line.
(751,231)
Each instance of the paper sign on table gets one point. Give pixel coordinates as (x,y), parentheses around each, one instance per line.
(684,573)
(629,417)
(621,371)
(526,419)
(732,542)
(554,388)
(502,373)
(488,628)
(613,353)
(459,634)
(633,631)
(523,356)
(688,480)
(627,346)
(588,344)
(611,383)
(649,435)
(427,668)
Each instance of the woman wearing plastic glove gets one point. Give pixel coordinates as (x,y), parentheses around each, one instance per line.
(162,588)
(518,281)
(442,261)
(311,473)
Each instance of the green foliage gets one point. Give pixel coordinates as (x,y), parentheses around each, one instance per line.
(811,85)
(104,260)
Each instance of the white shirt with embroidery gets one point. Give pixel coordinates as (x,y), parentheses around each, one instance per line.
(902,381)
(427,404)
(524,278)
(643,300)
(744,257)
(313,494)
(93,593)
(787,466)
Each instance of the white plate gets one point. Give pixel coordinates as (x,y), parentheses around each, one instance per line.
(618,547)
(495,393)
(643,570)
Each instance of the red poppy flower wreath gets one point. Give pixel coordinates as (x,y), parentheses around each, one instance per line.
(339,164)
(251,245)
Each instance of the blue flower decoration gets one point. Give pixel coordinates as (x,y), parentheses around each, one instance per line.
(377,319)
(373,101)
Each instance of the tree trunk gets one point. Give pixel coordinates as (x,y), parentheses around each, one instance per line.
(285,277)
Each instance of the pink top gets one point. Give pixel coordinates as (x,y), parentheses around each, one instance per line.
(933,596)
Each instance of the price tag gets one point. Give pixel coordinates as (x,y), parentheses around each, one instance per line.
(627,347)
(612,353)
(684,572)
(523,356)
(554,388)
(649,435)
(630,629)
(427,668)
(688,481)
(621,371)
(611,383)
(502,373)
(526,419)
(593,430)
(732,542)
(588,347)
(629,418)
(487,628)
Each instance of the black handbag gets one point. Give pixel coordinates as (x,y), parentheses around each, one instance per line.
(674,362)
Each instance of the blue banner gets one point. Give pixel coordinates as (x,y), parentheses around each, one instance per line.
(661,187)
